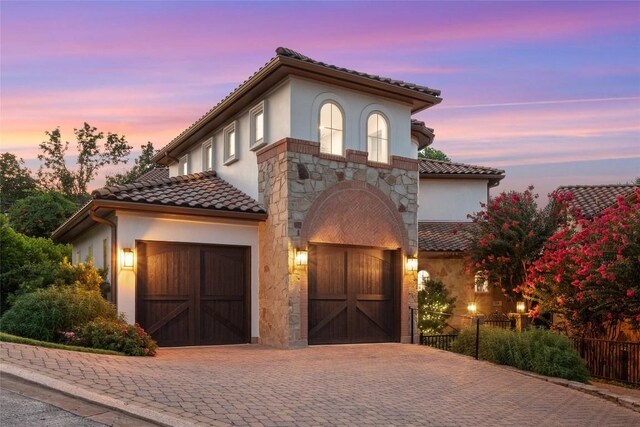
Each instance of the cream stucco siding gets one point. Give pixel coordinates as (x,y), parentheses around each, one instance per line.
(171,228)
(450,199)
(307,97)
(243,173)
(94,239)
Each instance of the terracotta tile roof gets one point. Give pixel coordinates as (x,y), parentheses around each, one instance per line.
(200,190)
(157,173)
(436,236)
(439,167)
(289,53)
(591,200)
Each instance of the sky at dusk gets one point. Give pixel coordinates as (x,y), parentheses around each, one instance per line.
(549,91)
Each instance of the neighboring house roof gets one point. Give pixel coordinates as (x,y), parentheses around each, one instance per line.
(201,194)
(289,62)
(429,168)
(434,236)
(157,173)
(591,200)
(199,190)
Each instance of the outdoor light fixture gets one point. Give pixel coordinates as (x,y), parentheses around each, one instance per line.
(302,257)
(520,307)
(412,263)
(471,308)
(127,258)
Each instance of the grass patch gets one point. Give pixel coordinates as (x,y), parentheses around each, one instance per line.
(20,340)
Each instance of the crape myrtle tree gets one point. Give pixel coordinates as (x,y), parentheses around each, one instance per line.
(509,235)
(589,272)
(94,152)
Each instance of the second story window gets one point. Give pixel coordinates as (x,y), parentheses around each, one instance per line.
(481,282)
(331,129)
(207,156)
(257,137)
(183,165)
(230,144)
(378,138)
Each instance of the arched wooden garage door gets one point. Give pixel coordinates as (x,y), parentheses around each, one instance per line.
(191,294)
(353,295)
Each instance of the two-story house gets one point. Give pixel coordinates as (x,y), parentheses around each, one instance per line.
(289,217)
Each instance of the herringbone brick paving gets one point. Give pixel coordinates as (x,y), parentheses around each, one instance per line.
(347,385)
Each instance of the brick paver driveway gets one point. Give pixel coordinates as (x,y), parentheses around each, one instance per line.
(388,384)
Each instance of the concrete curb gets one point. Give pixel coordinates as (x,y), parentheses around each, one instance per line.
(93,397)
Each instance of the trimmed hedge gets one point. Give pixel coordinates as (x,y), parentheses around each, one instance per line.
(28,341)
(536,350)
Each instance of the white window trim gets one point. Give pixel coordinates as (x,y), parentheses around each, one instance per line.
(208,143)
(232,127)
(253,143)
(187,162)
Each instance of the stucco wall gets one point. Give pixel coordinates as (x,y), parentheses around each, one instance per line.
(450,199)
(244,174)
(132,227)
(93,237)
(307,97)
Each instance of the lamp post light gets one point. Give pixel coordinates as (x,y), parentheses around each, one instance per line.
(520,307)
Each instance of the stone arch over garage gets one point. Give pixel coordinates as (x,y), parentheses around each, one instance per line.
(354,213)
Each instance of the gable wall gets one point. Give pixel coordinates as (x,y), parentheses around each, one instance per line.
(450,199)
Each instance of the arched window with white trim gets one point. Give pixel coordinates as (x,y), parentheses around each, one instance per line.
(423,279)
(378,138)
(331,129)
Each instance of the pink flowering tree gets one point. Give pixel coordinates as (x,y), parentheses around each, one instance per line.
(510,234)
(589,272)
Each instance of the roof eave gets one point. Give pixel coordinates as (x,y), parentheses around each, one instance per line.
(279,68)
(490,177)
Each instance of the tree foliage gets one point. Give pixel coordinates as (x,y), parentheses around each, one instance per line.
(27,261)
(433,154)
(509,236)
(15,181)
(589,271)
(143,164)
(93,154)
(435,306)
(40,213)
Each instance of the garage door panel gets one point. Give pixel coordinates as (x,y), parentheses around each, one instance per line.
(193,294)
(360,279)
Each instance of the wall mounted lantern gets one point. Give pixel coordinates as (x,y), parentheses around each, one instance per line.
(127,259)
(412,263)
(472,308)
(520,307)
(302,257)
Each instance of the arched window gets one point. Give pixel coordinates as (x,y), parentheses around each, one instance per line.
(481,282)
(423,279)
(331,128)
(378,138)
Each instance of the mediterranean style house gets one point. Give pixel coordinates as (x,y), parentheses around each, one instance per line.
(288,214)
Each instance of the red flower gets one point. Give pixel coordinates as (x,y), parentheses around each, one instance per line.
(630,293)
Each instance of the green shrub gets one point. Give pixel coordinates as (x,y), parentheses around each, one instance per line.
(435,306)
(536,350)
(40,213)
(47,313)
(114,335)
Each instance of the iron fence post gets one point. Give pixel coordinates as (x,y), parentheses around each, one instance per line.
(477,336)
(411,309)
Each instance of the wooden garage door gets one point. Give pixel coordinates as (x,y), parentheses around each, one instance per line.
(352,295)
(193,294)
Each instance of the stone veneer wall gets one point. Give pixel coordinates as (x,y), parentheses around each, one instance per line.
(450,267)
(295,180)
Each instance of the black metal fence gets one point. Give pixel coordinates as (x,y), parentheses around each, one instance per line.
(442,342)
(611,360)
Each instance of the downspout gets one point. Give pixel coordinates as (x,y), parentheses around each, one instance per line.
(114,252)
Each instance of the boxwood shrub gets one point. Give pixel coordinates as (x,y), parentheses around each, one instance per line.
(536,350)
